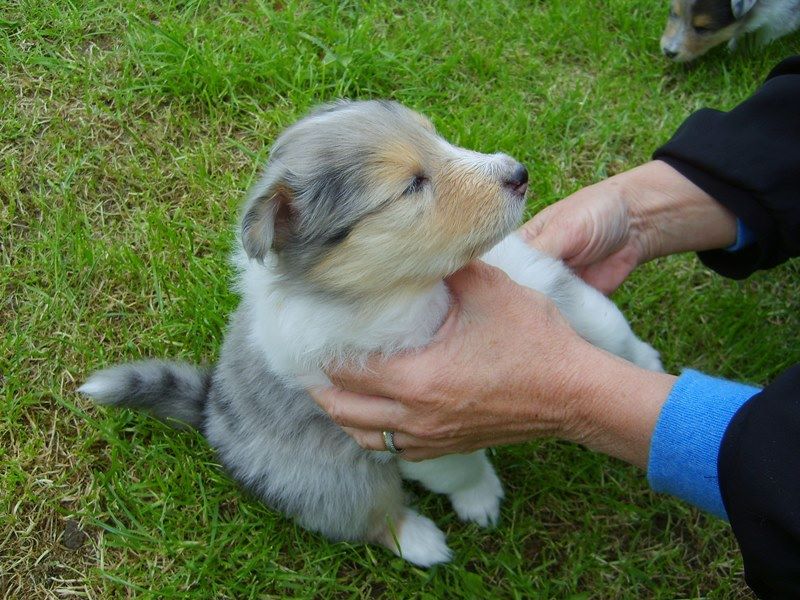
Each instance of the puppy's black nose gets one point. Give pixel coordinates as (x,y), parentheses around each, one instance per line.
(670,53)
(517,182)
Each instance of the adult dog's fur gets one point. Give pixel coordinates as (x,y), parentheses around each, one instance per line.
(696,26)
(361,212)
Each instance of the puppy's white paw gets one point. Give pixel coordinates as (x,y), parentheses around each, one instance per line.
(421,541)
(480,503)
(646,357)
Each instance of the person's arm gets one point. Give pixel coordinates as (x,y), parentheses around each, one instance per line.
(505,367)
(759,476)
(685,446)
(606,230)
(734,451)
(724,186)
(748,160)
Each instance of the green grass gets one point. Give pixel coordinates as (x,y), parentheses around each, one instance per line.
(129,132)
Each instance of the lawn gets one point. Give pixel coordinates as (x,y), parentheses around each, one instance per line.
(129,132)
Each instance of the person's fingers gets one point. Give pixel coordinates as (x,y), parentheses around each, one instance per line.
(462,446)
(420,454)
(371,439)
(600,278)
(368,439)
(543,235)
(350,409)
(607,275)
(474,278)
(535,226)
(379,376)
(382,376)
(550,241)
(474,272)
(414,449)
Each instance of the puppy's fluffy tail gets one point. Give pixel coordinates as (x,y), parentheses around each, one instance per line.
(171,391)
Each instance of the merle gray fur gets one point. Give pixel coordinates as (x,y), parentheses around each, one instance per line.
(172,391)
(320,168)
(273,439)
(305,465)
(270,436)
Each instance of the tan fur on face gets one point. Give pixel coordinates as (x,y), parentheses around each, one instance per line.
(399,161)
(695,44)
(466,208)
(702,21)
(416,240)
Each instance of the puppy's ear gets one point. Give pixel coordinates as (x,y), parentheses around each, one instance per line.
(268,221)
(741,7)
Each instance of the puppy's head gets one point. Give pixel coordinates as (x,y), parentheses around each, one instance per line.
(363,198)
(696,26)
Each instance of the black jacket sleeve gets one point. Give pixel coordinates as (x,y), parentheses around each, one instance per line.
(749,160)
(759,477)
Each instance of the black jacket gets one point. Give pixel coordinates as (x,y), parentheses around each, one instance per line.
(748,159)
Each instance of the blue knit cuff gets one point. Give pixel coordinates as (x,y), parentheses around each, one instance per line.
(688,435)
(744,237)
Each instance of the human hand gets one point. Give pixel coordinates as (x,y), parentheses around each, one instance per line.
(505,367)
(489,377)
(606,230)
(593,232)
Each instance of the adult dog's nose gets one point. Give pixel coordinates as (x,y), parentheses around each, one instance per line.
(517,182)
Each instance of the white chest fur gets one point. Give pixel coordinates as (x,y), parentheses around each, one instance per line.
(300,334)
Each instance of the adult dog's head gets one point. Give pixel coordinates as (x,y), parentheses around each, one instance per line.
(364,198)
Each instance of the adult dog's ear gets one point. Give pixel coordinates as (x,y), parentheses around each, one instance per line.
(268,220)
(741,7)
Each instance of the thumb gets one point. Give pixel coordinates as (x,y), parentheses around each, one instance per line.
(473,278)
(549,240)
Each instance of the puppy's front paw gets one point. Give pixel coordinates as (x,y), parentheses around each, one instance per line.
(480,503)
(421,541)
(646,357)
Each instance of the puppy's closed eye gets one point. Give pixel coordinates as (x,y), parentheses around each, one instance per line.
(416,185)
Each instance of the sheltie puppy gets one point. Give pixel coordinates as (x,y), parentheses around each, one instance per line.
(361,212)
(696,26)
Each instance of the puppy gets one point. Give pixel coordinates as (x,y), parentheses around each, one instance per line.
(696,26)
(345,240)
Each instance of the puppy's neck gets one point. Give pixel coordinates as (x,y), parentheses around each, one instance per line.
(301,333)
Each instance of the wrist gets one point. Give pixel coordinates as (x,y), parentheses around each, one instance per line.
(614,410)
(669,214)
